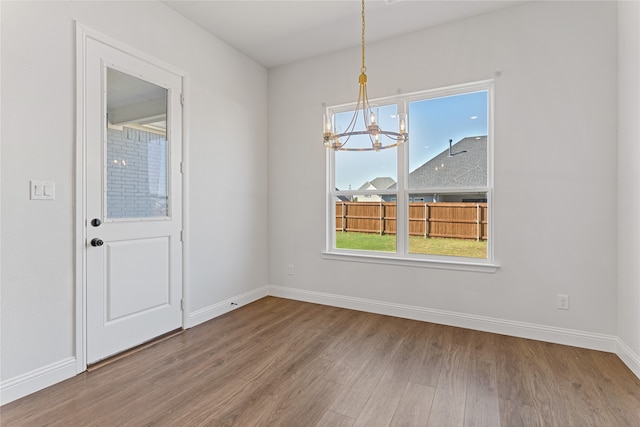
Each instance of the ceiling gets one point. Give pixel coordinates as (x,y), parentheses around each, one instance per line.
(135,102)
(276,32)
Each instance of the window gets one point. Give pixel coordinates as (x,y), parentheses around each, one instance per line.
(426,200)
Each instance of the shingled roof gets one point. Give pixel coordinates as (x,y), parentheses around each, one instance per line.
(380,183)
(466,167)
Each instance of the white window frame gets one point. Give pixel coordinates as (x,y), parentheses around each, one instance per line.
(402,255)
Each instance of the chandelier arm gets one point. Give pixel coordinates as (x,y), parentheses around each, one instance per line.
(366,106)
(365,94)
(368,148)
(352,124)
(348,135)
(359,102)
(386,133)
(354,119)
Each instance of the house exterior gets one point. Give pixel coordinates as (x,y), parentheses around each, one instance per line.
(463,165)
(380,183)
(342,198)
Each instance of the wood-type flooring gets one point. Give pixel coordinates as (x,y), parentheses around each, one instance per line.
(279,362)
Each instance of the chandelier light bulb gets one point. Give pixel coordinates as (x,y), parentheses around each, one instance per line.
(402,119)
(328,123)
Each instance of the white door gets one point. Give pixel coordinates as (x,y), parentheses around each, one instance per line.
(133,201)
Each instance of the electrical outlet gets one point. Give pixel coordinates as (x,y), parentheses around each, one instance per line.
(563,302)
(292,271)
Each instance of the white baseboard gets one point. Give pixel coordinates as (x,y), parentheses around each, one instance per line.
(481,323)
(215,310)
(40,378)
(631,359)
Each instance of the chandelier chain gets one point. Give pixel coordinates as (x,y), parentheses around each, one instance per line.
(363,69)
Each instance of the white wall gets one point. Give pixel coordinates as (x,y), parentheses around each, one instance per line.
(226,166)
(629,183)
(555,147)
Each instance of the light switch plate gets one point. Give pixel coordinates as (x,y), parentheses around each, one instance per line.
(43,190)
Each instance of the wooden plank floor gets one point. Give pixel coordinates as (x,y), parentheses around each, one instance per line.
(279,362)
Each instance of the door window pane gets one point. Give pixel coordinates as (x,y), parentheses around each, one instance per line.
(136,148)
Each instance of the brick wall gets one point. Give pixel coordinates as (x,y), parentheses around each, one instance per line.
(136,174)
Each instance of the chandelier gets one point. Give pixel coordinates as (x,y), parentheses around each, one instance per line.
(379,138)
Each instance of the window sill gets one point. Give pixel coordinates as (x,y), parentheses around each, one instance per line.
(464,264)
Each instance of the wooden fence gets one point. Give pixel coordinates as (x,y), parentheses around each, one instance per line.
(462,220)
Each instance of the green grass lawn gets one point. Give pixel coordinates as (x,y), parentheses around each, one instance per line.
(417,244)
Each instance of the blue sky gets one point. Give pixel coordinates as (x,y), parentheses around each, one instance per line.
(432,122)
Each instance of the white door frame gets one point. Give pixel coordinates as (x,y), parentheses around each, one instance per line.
(84,33)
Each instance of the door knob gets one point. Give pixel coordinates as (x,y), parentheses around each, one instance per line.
(96,242)
(96,222)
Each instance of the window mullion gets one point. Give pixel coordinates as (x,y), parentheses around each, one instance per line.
(330,235)
(402,216)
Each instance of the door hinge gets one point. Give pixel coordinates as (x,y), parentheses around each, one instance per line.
(181,167)
(182,100)
(181,304)
(181,236)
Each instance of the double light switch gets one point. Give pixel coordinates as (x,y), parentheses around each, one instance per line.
(43,190)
